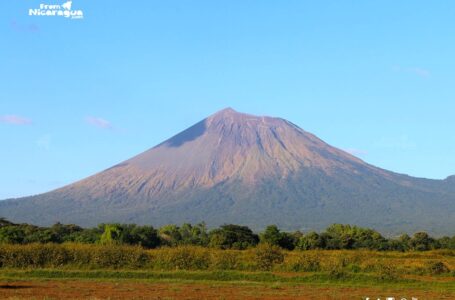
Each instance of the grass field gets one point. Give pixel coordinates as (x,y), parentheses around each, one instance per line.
(98,272)
(120,284)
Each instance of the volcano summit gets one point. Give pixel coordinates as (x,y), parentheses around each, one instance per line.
(238,168)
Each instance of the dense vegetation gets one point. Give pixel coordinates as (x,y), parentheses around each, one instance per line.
(230,252)
(336,263)
(230,236)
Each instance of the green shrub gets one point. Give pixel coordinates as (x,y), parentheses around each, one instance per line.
(33,255)
(387,272)
(354,268)
(337,273)
(264,257)
(437,268)
(225,260)
(54,255)
(182,258)
(307,262)
(267,256)
(335,268)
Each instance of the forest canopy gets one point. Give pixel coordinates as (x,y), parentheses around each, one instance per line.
(228,236)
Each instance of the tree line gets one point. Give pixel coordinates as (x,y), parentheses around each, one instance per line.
(229,236)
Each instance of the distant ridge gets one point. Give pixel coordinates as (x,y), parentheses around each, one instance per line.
(239,168)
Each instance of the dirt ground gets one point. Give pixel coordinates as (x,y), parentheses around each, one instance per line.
(66,289)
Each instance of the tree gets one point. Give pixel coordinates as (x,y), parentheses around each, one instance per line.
(233,237)
(40,235)
(310,241)
(170,235)
(443,242)
(404,242)
(288,241)
(12,235)
(421,241)
(145,236)
(369,239)
(87,236)
(339,236)
(111,234)
(273,236)
(194,235)
(61,233)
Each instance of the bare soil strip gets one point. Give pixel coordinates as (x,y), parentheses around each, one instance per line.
(122,289)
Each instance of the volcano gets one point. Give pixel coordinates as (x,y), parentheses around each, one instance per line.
(244,169)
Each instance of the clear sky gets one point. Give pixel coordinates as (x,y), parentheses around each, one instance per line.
(376,78)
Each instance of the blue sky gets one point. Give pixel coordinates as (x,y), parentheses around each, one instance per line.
(76,96)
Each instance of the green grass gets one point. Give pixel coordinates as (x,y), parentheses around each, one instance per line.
(347,279)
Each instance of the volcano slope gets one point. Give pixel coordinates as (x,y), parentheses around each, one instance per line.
(238,168)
